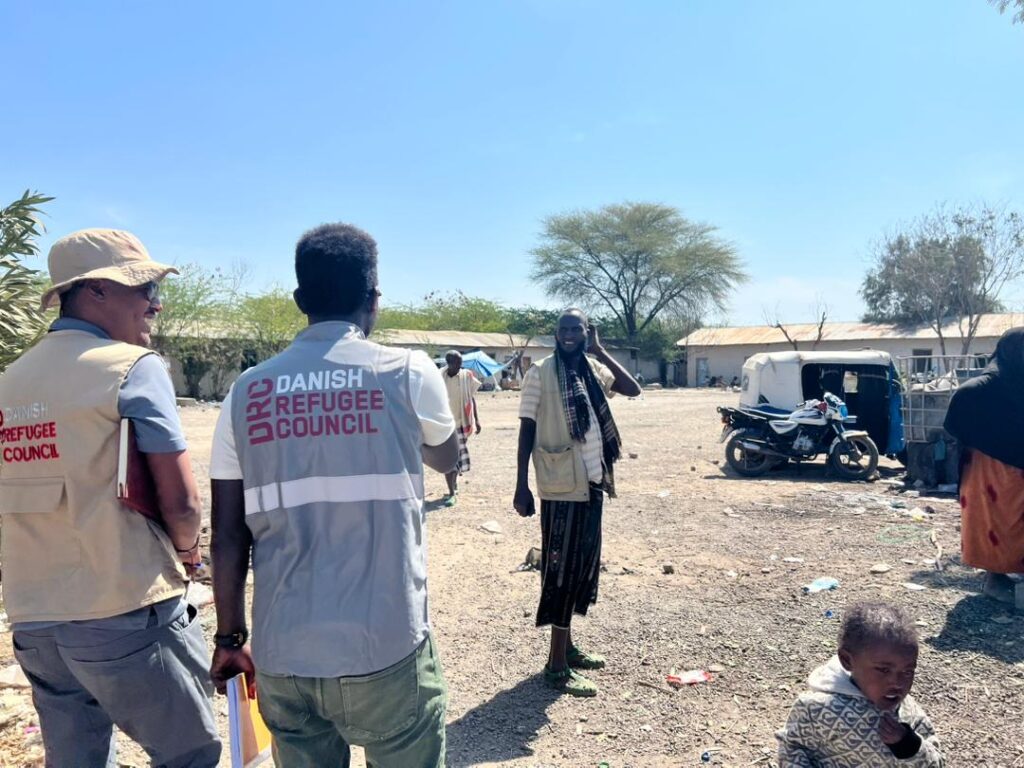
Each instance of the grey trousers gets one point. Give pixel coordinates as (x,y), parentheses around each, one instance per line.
(152,682)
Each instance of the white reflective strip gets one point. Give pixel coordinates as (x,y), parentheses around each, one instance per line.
(312,490)
(269,497)
(252,500)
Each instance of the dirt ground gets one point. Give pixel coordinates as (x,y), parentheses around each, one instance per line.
(741,549)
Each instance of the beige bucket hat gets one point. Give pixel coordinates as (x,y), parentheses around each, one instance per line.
(100,254)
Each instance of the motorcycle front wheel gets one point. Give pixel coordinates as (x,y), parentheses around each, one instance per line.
(856,458)
(744,462)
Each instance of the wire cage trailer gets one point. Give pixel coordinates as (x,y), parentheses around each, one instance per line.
(928,385)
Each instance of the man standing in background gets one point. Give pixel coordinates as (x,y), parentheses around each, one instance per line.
(462,386)
(568,429)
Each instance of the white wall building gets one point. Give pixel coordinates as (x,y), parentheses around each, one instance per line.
(721,352)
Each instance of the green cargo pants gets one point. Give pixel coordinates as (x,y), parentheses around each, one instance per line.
(396,715)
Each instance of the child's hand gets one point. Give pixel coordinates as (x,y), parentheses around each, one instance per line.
(890,729)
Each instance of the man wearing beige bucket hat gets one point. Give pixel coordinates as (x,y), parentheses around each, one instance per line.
(94,590)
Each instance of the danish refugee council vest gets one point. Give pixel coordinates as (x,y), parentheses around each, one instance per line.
(70,550)
(328,441)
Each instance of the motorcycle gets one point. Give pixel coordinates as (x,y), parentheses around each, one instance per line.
(758,440)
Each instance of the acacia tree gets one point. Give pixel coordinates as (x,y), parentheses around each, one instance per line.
(637,261)
(21,320)
(1016,6)
(948,267)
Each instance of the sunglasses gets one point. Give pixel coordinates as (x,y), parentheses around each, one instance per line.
(150,290)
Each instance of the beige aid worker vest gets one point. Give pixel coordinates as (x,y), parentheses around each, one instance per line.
(70,550)
(557,458)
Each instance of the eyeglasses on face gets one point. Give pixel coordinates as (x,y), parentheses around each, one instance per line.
(150,290)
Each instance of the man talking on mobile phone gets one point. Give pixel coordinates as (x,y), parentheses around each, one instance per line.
(565,424)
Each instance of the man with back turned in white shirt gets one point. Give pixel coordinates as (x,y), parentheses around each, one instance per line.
(317,472)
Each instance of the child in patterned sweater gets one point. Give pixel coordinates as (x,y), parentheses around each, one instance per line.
(859,711)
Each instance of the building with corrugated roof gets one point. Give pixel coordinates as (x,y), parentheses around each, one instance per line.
(501,346)
(721,352)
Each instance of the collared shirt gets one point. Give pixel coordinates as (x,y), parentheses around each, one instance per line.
(146,397)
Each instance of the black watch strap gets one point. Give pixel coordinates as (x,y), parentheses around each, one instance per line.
(232,640)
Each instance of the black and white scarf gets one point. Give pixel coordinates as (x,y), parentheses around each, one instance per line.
(576,389)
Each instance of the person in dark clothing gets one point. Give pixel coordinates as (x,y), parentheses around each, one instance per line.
(986,416)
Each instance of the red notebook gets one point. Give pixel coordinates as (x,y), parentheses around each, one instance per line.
(135,485)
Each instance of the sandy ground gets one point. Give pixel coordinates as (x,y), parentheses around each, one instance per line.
(733,606)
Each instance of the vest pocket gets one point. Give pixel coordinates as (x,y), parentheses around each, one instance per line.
(31,495)
(556,470)
(38,544)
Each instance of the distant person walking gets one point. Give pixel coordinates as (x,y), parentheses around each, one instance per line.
(317,470)
(565,424)
(986,415)
(95,591)
(462,386)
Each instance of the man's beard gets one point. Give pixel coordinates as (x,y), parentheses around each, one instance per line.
(573,357)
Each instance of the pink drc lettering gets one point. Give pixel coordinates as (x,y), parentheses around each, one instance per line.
(273,415)
(315,403)
(330,424)
(16,454)
(44,431)
(258,412)
(21,453)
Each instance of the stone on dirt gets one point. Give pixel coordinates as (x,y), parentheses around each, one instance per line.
(13,677)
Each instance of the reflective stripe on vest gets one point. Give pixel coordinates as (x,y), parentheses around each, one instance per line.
(312,490)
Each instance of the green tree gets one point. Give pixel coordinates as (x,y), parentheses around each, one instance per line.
(659,339)
(21,320)
(949,266)
(1017,6)
(445,312)
(198,327)
(638,261)
(269,321)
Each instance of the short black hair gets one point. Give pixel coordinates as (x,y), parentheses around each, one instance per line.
(573,311)
(867,624)
(336,269)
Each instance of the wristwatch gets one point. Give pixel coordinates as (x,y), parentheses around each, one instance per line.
(232,640)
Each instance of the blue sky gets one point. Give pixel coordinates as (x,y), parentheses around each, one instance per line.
(449,130)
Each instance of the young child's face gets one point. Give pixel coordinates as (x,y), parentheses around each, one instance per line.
(884,673)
